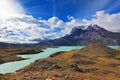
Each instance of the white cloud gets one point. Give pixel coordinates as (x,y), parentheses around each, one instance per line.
(66,27)
(70,17)
(55,22)
(24,28)
(108,21)
(17,26)
(10,8)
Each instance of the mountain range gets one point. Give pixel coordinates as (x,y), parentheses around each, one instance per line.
(82,36)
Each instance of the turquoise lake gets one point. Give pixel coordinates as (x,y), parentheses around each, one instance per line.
(14,66)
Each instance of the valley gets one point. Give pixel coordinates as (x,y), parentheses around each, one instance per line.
(93,62)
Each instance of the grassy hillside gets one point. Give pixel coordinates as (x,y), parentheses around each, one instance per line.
(94,62)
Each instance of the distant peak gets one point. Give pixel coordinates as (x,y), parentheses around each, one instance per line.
(91,28)
(95,27)
(77,29)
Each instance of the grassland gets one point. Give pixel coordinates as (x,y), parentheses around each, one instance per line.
(94,62)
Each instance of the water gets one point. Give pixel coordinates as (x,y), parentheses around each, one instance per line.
(14,66)
(114,47)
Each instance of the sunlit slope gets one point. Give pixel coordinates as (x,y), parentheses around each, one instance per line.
(93,62)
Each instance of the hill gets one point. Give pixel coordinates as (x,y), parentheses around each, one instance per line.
(9,52)
(73,65)
(98,50)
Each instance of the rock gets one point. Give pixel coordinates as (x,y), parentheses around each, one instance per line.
(114,65)
(74,67)
(88,70)
(41,65)
(48,79)
(55,66)
(57,53)
(84,62)
(30,52)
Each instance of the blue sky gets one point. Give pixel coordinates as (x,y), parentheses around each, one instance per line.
(25,21)
(63,8)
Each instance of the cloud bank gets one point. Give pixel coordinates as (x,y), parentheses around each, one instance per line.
(108,21)
(18,27)
(10,8)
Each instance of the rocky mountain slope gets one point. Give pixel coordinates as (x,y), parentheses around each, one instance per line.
(81,36)
(93,62)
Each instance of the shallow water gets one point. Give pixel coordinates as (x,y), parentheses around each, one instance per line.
(114,47)
(13,66)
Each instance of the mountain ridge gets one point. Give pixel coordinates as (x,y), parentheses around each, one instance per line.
(83,36)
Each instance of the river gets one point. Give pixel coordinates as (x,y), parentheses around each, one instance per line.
(16,65)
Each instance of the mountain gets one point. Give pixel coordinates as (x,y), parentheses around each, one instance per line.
(83,36)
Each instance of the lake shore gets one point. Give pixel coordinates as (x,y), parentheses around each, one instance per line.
(9,52)
(16,65)
(74,64)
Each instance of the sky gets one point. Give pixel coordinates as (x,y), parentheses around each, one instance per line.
(63,8)
(27,21)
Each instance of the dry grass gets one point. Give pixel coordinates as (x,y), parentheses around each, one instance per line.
(8,52)
(71,66)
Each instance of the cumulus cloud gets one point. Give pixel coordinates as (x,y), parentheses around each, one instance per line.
(70,17)
(17,26)
(26,29)
(62,27)
(108,21)
(21,29)
(10,8)
(55,22)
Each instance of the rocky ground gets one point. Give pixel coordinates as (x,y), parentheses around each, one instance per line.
(94,62)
